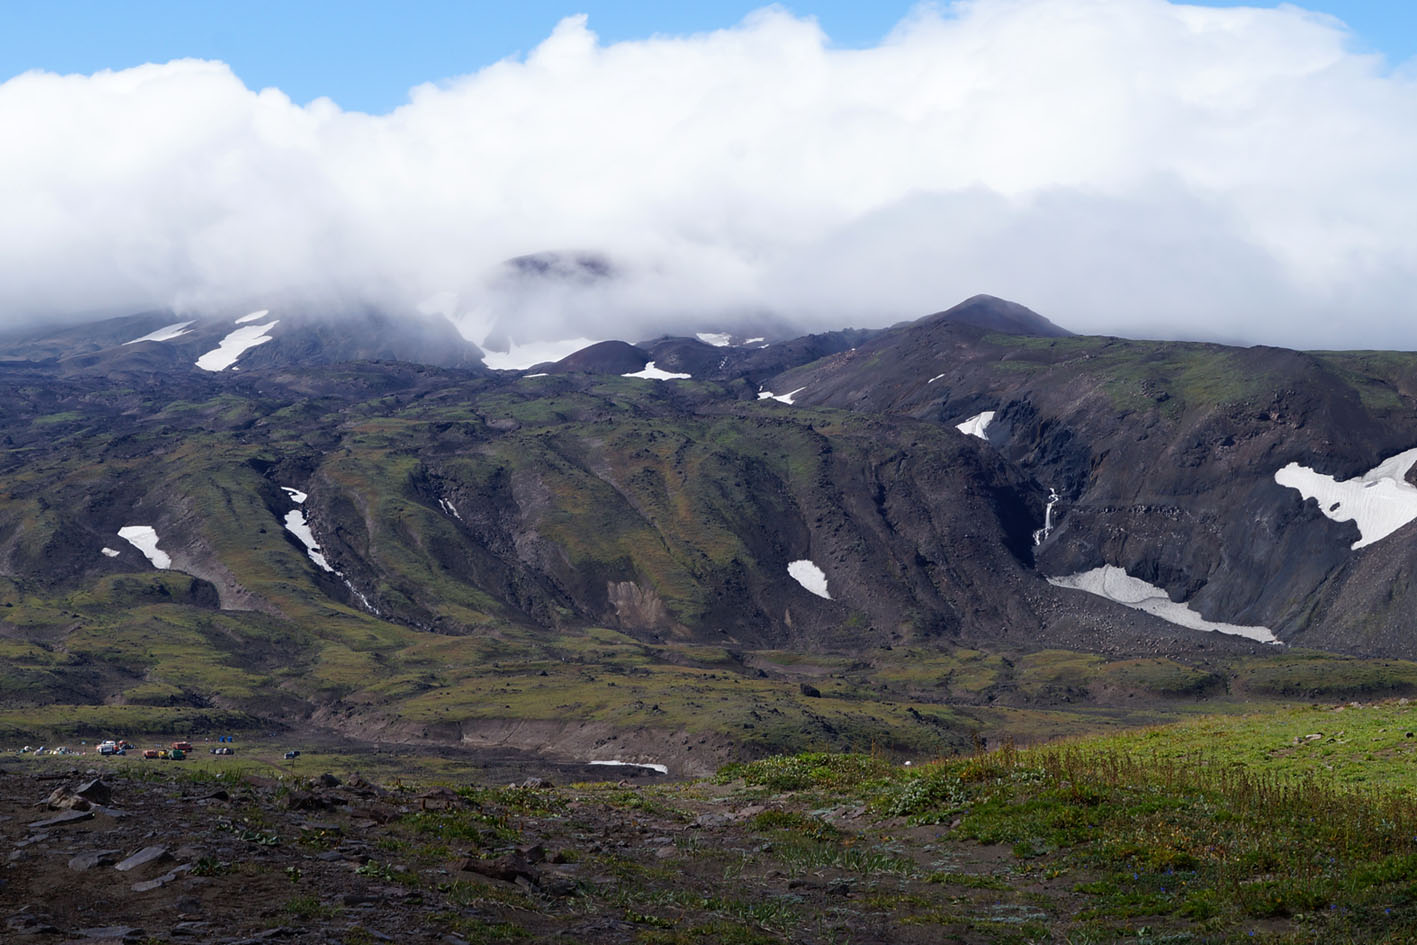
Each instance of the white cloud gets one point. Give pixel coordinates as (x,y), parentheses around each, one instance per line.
(1120,165)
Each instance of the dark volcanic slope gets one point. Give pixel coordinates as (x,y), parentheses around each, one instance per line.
(995,314)
(296,337)
(1164,454)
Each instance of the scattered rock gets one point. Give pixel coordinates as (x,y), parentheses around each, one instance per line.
(509,867)
(109,932)
(68,817)
(810,691)
(87,861)
(163,880)
(95,792)
(191,928)
(152,854)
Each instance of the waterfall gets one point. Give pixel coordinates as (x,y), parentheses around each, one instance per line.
(1041,534)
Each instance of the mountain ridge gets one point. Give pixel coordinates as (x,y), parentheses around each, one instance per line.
(457,510)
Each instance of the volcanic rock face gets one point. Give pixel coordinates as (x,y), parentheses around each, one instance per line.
(1164,455)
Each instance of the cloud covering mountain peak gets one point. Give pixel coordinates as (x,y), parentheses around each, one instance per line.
(1131,166)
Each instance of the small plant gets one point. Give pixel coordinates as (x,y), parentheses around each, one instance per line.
(375,868)
(210,866)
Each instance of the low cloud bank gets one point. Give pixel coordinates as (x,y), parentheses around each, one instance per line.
(1124,166)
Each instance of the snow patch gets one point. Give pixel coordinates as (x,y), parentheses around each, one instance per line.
(653,373)
(163,334)
(934,379)
(977,425)
(755,341)
(109,553)
(235,345)
(450,509)
(784,398)
(521,357)
(144,538)
(295,523)
(1379,502)
(542,374)
(253,317)
(1117,585)
(662,769)
(810,576)
(718,339)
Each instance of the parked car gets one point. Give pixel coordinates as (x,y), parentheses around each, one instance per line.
(150,753)
(182,746)
(292,754)
(222,750)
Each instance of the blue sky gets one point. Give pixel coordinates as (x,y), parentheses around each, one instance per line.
(367,55)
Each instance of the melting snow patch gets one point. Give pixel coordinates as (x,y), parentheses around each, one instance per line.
(235,345)
(934,379)
(754,341)
(144,538)
(785,398)
(662,769)
(718,339)
(163,334)
(296,525)
(253,317)
(450,509)
(1116,585)
(1379,502)
(521,357)
(977,425)
(542,374)
(109,553)
(655,374)
(809,576)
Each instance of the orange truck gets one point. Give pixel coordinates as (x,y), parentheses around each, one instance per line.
(182,746)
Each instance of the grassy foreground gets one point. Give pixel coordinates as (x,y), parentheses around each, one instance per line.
(1209,831)
(1287,826)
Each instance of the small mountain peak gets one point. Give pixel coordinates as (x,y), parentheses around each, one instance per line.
(992,313)
(604,357)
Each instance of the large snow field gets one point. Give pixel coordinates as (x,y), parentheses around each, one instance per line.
(144,538)
(163,334)
(296,525)
(653,373)
(1379,502)
(521,357)
(810,576)
(1117,585)
(235,345)
(784,398)
(718,339)
(977,425)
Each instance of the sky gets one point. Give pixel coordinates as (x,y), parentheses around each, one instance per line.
(1125,166)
